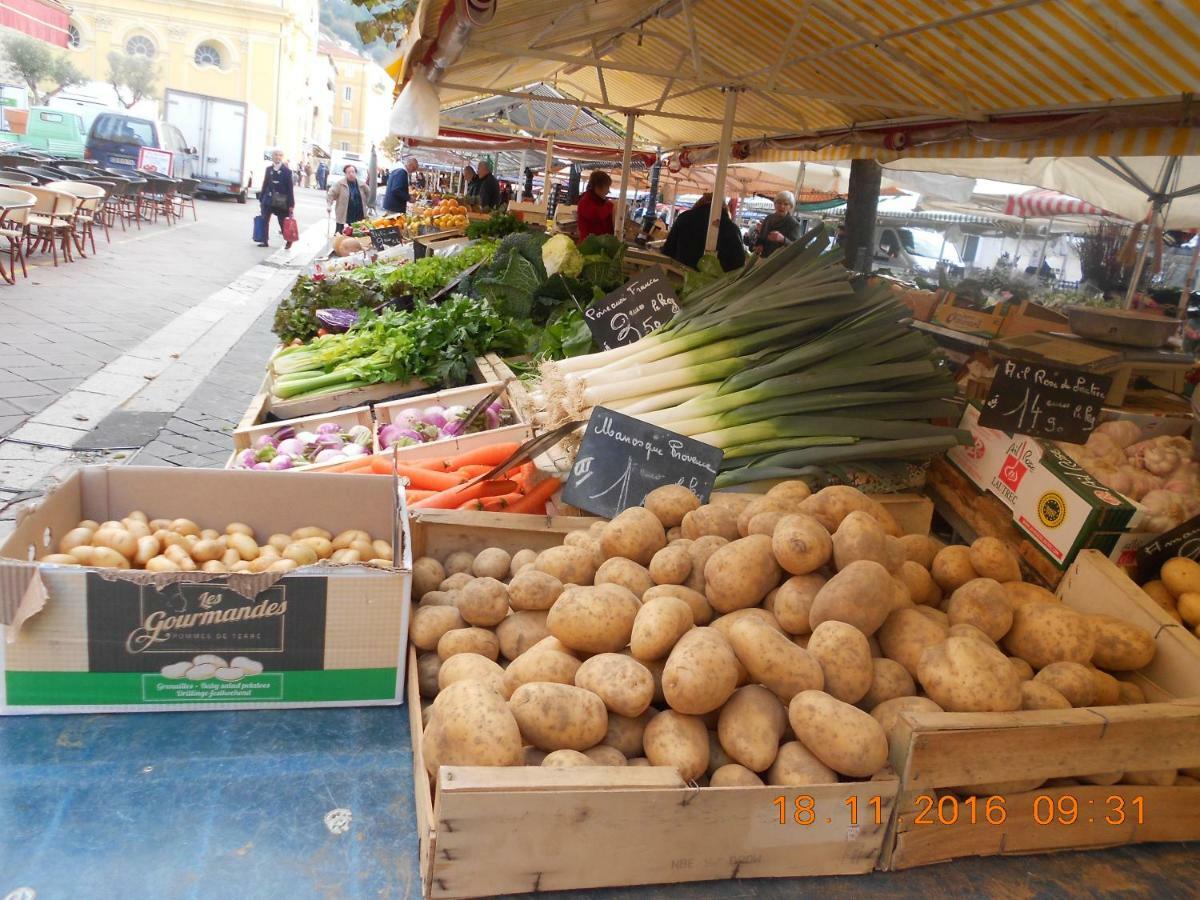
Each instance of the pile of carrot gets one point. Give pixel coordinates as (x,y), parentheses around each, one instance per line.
(441,482)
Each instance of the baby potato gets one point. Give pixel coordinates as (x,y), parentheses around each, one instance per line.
(148,547)
(214,566)
(635,534)
(483,602)
(801,544)
(383,550)
(1180,576)
(700,673)
(185,527)
(311,531)
(658,625)
(303,554)
(677,740)
(240,528)
(278,541)
(202,551)
(491,563)
(281,566)
(60,559)
(841,736)
(343,539)
(467,640)
(229,557)
(670,565)
(625,572)
(161,564)
(322,546)
(180,557)
(345,557)
(136,527)
(670,503)
(966,675)
(520,631)
(624,685)
(248,550)
(845,659)
(83,554)
(558,716)
(116,539)
(76,537)
(750,726)
(889,680)
(208,534)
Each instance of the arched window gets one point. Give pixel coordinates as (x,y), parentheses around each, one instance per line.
(208,55)
(140,46)
(73,38)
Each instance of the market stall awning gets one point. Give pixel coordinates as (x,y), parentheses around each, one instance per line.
(46,20)
(489,142)
(829,76)
(1048,203)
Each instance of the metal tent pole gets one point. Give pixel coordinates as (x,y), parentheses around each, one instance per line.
(548,180)
(718,201)
(626,163)
(1157,202)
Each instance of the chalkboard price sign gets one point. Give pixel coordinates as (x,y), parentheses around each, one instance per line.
(1183,540)
(385,237)
(1044,401)
(633,310)
(623,459)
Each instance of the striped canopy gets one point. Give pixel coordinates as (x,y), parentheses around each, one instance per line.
(1044,204)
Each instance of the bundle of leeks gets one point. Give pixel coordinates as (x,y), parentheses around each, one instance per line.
(784,364)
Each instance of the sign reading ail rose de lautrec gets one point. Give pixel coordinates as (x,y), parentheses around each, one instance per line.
(1059,404)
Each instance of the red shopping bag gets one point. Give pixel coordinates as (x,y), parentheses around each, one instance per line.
(291,231)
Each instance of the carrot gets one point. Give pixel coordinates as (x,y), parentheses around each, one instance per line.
(472,471)
(455,497)
(502,503)
(489,456)
(357,464)
(535,499)
(413,496)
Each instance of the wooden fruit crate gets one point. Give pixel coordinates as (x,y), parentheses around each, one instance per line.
(1024,318)
(953,749)
(491,831)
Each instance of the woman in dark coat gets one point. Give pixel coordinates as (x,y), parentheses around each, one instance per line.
(278,197)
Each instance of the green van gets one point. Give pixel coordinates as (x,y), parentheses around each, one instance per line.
(56,131)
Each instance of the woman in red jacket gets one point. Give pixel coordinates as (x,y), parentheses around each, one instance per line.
(595,211)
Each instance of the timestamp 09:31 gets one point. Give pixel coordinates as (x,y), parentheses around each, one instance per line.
(1045,809)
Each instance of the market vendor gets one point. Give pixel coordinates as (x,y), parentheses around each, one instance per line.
(685,242)
(780,228)
(489,187)
(595,211)
(470,184)
(346,199)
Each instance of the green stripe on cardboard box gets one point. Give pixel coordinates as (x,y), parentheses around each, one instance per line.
(132,688)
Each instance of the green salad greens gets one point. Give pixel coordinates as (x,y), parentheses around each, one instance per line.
(296,315)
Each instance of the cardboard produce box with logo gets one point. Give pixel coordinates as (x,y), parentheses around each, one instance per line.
(82,639)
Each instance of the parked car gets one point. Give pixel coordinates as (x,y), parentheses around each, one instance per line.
(116,137)
(40,128)
(915,251)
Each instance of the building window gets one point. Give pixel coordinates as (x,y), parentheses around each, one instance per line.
(345,118)
(73,39)
(208,55)
(347,93)
(345,145)
(140,46)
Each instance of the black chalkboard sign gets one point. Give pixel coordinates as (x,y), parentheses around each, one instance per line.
(385,237)
(623,459)
(1183,540)
(1044,401)
(633,310)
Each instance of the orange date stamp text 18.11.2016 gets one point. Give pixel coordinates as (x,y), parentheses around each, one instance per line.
(1044,809)
(801,809)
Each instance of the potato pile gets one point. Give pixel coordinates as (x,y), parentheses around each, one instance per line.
(1177,591)
(180,545)
(756,639)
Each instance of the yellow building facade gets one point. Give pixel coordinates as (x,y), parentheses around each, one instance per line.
(262,52)
(362,100)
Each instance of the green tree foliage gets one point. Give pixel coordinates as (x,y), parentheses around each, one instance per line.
(132,77)
(45,73)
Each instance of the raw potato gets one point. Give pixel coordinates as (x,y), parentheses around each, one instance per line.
(1023,669)
(710,519)
(792,602)
(923,590)
(540,664)
(859,537)
(725,623)
(1188,608)
(750,726)
(889,680)
(860,595)
(533,589)
(1181,576)
(670,503)
(435,598)
(766,522)
(845,658)
(1045,633)
(456,582)
(625,734)
(775,661)
(700,550)
(1131,694)
(733,775)
(1072,680)
(1120,645)
(1107,689)
(702,613)
(460,561)
(429,623)
(981,602)
(841,736)
(753,508)
(673,739)
(559,716)
(570,565)
(468,640)
(463,666)
(671,565)
(888,714)
(521,559)
(428,667)
(964,629)
(603,755)
(795,765)
(741,573)
(791,492)
(521,631)
(992,558)
(896,556)
(1018,593)
(831,505)
(952,568)
(967,675)
(594,619)
(658,625)
(471,726)
(566,759)
(701,672)
(635,534)
(491,563)
(483,602)
(717,756)
(801,544)
(921,549)
(627,573)
(1039,695)
(624,685)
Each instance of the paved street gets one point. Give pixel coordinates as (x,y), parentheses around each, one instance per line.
(157,342)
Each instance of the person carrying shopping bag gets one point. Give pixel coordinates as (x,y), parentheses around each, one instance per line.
(277,198)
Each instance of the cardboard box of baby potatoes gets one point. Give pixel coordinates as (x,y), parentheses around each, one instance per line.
(76,639)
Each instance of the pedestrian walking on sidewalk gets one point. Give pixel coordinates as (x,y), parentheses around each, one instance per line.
(322,176)
(277,197)
(346,199)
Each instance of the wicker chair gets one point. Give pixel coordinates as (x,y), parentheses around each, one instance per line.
(91,200)
(14,208)
(51,222)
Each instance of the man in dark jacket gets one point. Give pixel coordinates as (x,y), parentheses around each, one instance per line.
(685,242)
(395,199)
(277,197)
(489,187)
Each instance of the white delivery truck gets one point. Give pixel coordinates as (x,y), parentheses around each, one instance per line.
(228,136)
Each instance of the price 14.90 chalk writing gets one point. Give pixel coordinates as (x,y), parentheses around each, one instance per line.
(1044,401)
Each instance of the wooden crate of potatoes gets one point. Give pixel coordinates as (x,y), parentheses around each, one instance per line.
(595,821)
(1066,778)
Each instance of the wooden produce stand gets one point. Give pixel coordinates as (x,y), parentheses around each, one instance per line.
(491,831)
(947,750)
